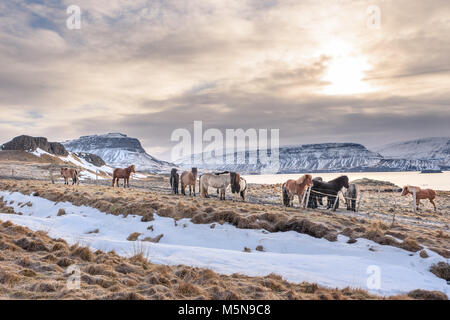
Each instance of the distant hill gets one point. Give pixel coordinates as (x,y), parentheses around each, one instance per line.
(119,150)
(324,157)
(422,149)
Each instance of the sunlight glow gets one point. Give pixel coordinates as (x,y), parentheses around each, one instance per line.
(345,70)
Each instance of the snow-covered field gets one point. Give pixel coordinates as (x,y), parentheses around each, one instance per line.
(297,257)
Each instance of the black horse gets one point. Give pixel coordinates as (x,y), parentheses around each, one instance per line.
(174,180)
(331,190)
(319,197)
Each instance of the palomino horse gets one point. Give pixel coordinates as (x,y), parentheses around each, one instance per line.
(188,179)
(295,187)
(174,180)
(123,174)
(71,173)
(217,181)
(328,189)
(420,194)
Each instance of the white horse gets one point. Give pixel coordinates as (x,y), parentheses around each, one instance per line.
(217,181)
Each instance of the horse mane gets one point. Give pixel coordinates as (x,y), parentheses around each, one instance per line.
(223,172)
(340,180)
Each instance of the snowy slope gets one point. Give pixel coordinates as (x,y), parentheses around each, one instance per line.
(297,257)
(118,151)
(423,149)
(88,169)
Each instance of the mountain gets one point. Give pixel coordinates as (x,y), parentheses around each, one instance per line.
(325,157)
(118,150)
(28,143)
(420,149)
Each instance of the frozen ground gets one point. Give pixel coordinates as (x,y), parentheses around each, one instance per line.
(297,257)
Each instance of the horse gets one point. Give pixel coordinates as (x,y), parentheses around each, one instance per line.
(123,174)
(319,197)
(331,190)
(174,180)
(238,185)
(420,194)
(217,181)
(188,179)
(351,194)
(71,173)
(295,187)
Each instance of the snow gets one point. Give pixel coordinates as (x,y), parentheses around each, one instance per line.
(87,166)
(297,257)
(39,152)
(427,148)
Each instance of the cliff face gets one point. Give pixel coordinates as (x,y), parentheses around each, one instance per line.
(28,143)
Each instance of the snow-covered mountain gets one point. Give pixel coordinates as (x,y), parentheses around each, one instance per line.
(118,150)
(420,149)
(325,157)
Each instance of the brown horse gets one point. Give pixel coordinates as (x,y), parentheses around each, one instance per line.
(71,173)
(188,179)
(420,194)
(295,187)
(123,174)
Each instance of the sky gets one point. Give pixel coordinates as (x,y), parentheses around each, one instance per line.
(370,72)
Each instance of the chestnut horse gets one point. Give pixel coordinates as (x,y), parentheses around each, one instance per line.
(71,173)
(420,194)
(188,179)
(123,174)
(295,187)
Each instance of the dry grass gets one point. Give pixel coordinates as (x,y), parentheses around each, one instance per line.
(33,266)
(378,227)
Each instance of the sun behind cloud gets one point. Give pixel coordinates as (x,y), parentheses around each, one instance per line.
(345,71)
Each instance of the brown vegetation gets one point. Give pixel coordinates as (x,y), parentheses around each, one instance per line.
(34,266)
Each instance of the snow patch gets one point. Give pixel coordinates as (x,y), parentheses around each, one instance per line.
(297,257)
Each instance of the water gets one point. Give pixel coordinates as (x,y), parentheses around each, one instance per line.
(437,181)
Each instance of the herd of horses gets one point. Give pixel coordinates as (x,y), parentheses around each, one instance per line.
(220,181)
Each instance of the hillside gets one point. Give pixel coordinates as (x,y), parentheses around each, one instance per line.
(118,150)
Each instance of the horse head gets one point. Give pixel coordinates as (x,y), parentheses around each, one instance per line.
(405,191)
(194,171)
(344,181)
(132,168)
(309,180)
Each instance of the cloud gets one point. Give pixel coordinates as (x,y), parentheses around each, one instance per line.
(148,67)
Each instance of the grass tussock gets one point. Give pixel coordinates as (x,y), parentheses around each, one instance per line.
(24,274)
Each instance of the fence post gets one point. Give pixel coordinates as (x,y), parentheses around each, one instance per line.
(336,201)
(50,171)
(12,173)
(307,197)
(359,202)
(414,200)
(379,195)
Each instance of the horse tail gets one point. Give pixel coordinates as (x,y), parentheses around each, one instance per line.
(285,195)
(243,190)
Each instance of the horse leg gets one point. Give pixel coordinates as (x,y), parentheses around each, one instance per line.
(434,205)
(194,188)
